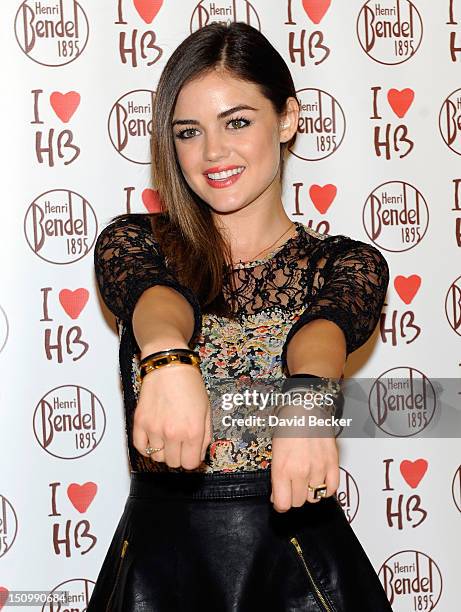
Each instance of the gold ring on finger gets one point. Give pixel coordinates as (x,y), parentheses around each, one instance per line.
(150,450)
(319,490)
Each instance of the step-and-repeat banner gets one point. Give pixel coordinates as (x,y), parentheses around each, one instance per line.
(377,158)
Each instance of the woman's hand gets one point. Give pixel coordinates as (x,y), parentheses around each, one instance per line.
(173,411)
(299,462)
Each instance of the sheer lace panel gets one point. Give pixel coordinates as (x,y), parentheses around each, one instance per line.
(350,291)
(330,277)
(127,261)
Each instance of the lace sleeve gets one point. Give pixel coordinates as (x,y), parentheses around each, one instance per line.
(355,281)
(128,261)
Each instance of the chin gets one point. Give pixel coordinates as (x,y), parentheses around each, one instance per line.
(225,210)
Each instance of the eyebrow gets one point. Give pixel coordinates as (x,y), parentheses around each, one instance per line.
(222,115)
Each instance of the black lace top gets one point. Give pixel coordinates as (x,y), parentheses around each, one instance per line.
(310,276)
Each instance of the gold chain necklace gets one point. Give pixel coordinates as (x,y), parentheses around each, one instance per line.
(265,248)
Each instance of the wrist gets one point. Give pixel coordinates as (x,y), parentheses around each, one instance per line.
(162,344)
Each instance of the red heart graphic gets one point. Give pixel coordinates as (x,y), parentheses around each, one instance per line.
(65,105)
(322,197)
(148,9)
(316,9)
(73,302)
(413,471)
(407,286)
(400,101)
(151,200)
(4,592)
(81,496)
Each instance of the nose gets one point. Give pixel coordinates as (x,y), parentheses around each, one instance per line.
(215,145)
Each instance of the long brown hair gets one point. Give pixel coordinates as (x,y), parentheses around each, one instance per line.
(194,248)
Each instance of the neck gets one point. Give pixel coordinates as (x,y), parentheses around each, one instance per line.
(249,233)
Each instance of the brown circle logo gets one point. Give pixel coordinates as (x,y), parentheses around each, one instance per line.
(8,525)
(450,120)
(60,226)
(321,125)
(402,401)
(389,31)
(412,581)
(395,216)
(51,33)
(4,329)
(76,594)
(209,11)
(130,125)
(69,422)
(348,494)
(453,305)
(456,488)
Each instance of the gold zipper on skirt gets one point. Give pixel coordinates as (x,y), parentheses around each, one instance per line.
(298,548)
(122,554)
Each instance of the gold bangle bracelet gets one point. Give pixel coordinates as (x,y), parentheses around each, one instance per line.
(165,360)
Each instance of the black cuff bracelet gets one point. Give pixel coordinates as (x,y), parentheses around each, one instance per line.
(322,384)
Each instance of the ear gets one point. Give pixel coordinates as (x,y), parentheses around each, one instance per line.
(289,120)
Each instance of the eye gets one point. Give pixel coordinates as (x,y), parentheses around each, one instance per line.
(237,119)
(182,133)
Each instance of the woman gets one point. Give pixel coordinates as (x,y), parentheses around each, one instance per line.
(228,519)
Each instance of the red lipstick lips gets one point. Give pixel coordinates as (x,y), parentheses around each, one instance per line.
(226,182)
(220,169)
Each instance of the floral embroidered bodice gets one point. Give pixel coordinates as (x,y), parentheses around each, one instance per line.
(310,276)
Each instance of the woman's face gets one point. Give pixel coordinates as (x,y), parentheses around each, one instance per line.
(245,141)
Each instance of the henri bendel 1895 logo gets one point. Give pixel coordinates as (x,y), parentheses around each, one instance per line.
(51,33)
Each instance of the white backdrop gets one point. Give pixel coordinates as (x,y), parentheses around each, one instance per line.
(377,159)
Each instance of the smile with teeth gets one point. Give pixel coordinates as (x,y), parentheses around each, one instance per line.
(219,176)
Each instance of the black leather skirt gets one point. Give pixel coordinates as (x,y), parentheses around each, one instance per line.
(191,542)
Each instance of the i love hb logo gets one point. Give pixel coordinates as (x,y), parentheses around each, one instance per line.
(307,41)
(61,338)
(404,506)
(137,38)
(71,528)
(54,138)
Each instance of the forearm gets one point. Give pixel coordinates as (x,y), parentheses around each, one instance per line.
(162,318)
(318,348)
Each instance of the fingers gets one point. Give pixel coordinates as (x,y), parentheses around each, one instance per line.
(294,492)
(154,441)
(178,449)
(141,440)
(191,450)
(186,448)
(207,435)
(299,491)
(316,478)
(163,420)
(281,495)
